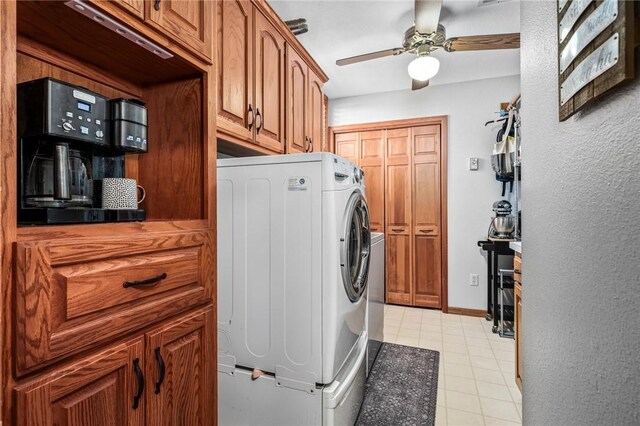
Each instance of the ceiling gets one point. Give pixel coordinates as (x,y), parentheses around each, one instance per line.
(345,28)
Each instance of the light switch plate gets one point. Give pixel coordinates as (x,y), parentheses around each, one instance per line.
(473,163)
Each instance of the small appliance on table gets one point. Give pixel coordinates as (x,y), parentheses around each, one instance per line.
(66,147)
(503,224)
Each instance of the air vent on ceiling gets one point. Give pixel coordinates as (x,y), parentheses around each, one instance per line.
(490,2)
(297,26)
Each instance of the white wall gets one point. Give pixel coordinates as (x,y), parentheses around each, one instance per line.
(581,239)
(471,193)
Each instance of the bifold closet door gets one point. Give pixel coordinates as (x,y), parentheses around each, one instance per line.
(346,146)
(398,216)
(372,163)
(426,232)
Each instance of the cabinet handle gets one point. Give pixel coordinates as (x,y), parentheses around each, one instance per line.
(310,145)
(156,5)
(426,230)
(397,229)
(140,377)
(253,117)
(145,282)
(161,368)
(258,115)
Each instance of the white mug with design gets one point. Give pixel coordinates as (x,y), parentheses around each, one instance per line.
(121,194)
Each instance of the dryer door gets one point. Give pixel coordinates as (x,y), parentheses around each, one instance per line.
(356,246)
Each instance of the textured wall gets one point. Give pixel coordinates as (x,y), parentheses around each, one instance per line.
(581,217)
(471,193)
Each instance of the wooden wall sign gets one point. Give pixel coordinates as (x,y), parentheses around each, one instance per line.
(597,42)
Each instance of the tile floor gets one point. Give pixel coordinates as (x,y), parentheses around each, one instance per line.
(476,384)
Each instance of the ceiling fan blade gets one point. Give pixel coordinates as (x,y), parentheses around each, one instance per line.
(417,84)
(483,42)
(369,56)
(427,15)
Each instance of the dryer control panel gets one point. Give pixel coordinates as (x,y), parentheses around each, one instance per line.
(347,172)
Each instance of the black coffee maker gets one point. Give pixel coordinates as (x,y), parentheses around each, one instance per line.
(65,151)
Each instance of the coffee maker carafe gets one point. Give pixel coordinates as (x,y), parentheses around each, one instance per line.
(59,177)
(64,152)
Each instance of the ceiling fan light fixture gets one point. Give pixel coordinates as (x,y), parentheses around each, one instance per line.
(423,68)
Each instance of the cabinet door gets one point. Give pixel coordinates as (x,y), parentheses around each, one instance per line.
(398,216)
(325,119)
(315,115)
(346,146)
(518,335)
(134,7)
(181,365)
(269,83)
(425,145)
(236,113)
(190,22)
(372,163)
(96,391)
(297,70)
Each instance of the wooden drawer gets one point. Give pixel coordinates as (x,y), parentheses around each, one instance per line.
(75,293)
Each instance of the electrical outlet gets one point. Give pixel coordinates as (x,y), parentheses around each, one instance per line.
(474,279)
(473,163)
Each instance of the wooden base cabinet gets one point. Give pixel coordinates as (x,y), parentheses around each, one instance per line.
(171,382)
(517,302)
(102,389)
(181,372)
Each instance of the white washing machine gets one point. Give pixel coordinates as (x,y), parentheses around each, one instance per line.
(293,259)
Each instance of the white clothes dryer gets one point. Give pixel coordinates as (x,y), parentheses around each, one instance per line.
(293,260)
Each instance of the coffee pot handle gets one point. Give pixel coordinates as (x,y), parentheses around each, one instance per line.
(61,178)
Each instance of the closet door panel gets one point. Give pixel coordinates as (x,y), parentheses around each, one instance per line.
(426,236)
(347,146)
(372,163)
(398,268)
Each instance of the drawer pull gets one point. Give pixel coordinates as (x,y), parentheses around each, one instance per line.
(149,281)
(426,230)
(156,5)
(161,369)
(397,229)
(140,377)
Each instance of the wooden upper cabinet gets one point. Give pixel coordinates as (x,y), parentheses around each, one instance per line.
(236,113)
(189,21)
(95,391)
(269,84)
(181,371)
(315,116)
(372,163)
(134,7)
(297,71)
(346,146)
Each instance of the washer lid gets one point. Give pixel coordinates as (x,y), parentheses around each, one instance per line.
(355,247)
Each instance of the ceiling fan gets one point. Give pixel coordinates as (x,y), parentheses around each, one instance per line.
(428,35)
